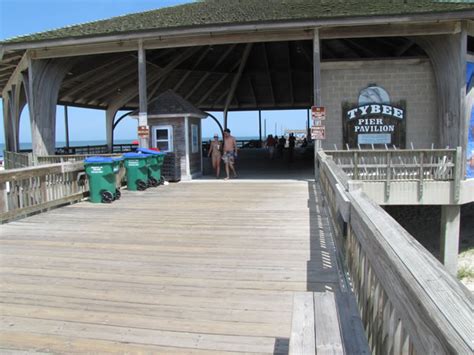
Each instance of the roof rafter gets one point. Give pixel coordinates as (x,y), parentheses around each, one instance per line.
(268,72)
(235,81)
(206,75)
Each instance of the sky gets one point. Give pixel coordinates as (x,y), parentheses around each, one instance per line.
(19,17)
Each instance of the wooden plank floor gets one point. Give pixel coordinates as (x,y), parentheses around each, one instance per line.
(187,268)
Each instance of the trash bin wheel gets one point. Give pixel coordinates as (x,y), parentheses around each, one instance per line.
(118,194)
(141,185)
(107,196)
(153,182)
(162,180)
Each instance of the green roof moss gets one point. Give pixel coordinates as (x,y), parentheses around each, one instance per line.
(218,12)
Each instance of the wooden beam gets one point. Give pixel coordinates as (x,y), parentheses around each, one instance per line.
(267,70)
(16,76)
(356,46)
(403,49)
(213,88)
(235,81)
(206,75)
(290,75)
(97,77)
(195,65)
(129,93)
(264,32)
(108,86)
(252,90)
(92,72)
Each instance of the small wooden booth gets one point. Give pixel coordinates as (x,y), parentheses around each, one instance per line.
(175,128)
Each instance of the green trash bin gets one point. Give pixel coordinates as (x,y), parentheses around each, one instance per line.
(100,172)
(155,162)
(137,171)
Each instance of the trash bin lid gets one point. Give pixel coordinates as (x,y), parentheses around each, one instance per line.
(149,151)
(134,156)
(98,160)
(117,158)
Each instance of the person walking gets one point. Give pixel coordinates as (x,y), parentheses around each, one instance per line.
(230,153)
(215,153)
(270,145)
(291,147)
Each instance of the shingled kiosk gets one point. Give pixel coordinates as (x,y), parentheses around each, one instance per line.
(383,73)
(175,129)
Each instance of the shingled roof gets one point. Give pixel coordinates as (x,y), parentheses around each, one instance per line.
(171,104)
(220,12)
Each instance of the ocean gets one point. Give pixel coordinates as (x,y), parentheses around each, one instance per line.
(60,144)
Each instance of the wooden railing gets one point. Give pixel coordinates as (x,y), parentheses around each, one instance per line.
(29,190)
(55,159)
(408,301)
(402,165)
(13,160)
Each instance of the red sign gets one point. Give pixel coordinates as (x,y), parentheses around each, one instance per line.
(318,113)
(318,132)
(143,131)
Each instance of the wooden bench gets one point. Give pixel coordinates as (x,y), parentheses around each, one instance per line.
(326,323)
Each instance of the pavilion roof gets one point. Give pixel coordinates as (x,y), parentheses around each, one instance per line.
(234,12)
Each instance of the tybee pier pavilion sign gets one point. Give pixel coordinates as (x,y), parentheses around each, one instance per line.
(374,121)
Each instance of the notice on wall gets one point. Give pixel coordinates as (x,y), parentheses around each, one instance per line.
(318,132)
(318,113)
(143,132)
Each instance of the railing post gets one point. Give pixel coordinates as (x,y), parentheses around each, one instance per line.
(388,176)
(356,168)
(458,168)
(3,197)
(421,179)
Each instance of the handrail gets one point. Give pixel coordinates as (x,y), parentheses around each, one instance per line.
(407,300)
(29,190)
(389,166)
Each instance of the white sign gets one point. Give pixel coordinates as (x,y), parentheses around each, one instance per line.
(318,132)
(142,119)
(374,139)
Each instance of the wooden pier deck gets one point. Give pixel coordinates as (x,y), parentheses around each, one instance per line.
(196,267)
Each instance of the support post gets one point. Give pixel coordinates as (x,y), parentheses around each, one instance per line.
(43,83)
(66,125)
(142,93)
(109,127)
(308,134)
(186,143)
(260,125)
(450,222)
(317,92)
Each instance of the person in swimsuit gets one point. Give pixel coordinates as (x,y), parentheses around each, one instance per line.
(215,152)
(230,153)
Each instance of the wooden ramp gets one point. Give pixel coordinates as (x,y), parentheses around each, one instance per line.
(185,268)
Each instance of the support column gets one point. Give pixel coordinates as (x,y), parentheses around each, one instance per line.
(317,92)
(186,147)
(109,126)
(449,242)
(66,125)
(142,93)
(44,82)
(260,125)
(7,123)
(448,58)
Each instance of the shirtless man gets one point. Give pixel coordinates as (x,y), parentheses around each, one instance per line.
(230,152)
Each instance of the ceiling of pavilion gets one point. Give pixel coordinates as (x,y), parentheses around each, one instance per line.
(276,74)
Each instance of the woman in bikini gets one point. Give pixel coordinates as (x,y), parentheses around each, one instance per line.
(215,152)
